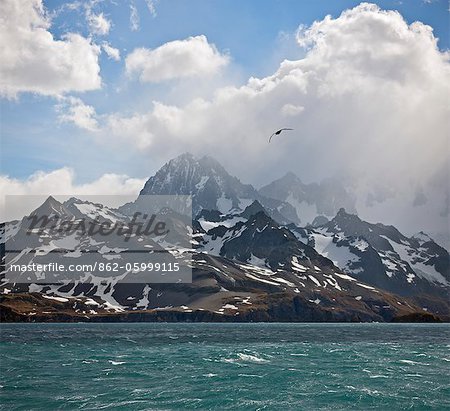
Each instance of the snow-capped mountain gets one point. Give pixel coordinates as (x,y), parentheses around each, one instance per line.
(246,267)
(310,200)
(221,290)
(252,236)
(211,187)
(247,258)
(83,233)
(94,211)
(383,257)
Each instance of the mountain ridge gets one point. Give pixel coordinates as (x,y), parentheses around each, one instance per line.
(249,261)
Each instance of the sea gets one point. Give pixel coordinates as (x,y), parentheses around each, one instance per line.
(211,366)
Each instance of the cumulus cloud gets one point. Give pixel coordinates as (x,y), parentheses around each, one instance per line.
(98,23)
(110,51)
(73,110)
(193,56)
(369,100)
(115,189)
(34,61)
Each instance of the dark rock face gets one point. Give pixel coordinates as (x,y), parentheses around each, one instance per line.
(417,318)
(319,220)
(262,237)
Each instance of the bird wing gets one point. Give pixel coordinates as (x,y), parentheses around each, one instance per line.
(278,132)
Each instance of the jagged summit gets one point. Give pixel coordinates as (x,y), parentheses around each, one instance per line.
(343,215)
(422,237)
(290,178)
(348,224)
(211,188)
(51,200)
(51,207)
(252,209)
(204,178)
(319,220)
(187,174)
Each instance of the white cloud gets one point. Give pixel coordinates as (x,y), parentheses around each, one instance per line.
(151,5)
(110,51)
(369,100)
(73,110)
(98,23)
(62,182)
(34,61)
(291,110)
(134,18)
(134,14)
(193,56)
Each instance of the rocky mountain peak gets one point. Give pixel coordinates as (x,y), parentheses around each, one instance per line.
(187,175)
(422,237)
(290,178)
(342,215)
(211,188)
(51,207)
(253,209)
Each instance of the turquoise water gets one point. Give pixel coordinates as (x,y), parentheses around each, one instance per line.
(224,366)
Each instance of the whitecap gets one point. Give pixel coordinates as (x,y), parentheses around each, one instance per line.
(410,362)
(250,375)
(251,358)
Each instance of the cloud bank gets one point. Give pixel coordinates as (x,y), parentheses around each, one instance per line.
(368,102)
(62,182)
(370,84)
(34,61)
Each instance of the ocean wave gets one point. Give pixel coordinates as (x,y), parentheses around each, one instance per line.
(116,362)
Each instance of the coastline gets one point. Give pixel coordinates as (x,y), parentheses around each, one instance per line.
(14,309)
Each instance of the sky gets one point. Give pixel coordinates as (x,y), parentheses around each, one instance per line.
(97,95)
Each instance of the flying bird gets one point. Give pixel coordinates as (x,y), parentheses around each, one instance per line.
(277,133)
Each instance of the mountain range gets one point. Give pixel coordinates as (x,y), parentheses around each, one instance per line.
(248,255)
